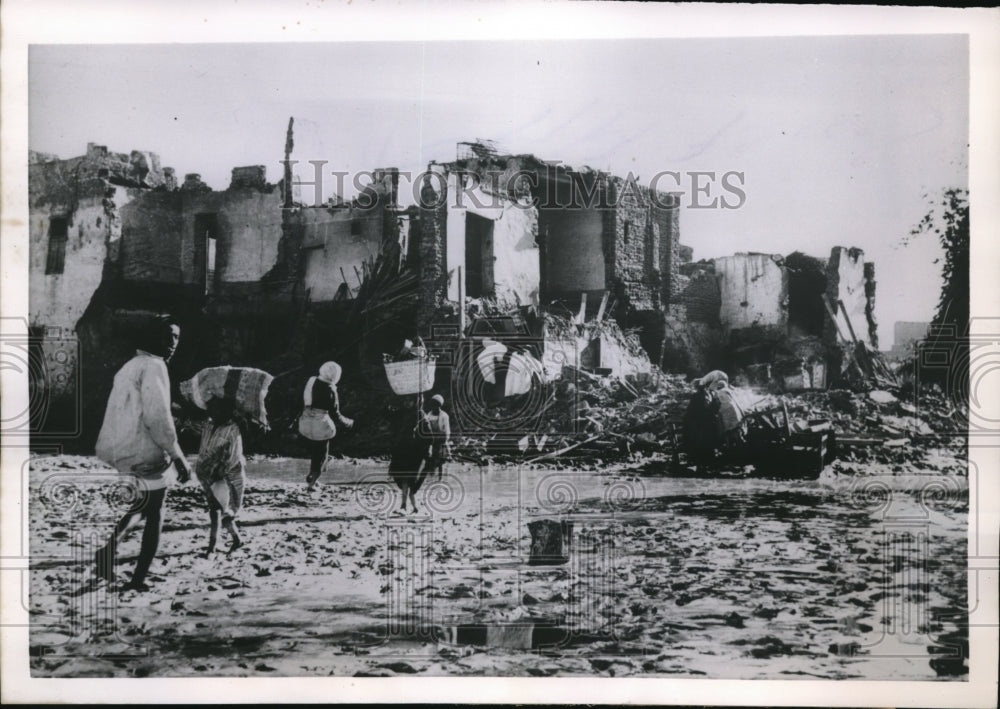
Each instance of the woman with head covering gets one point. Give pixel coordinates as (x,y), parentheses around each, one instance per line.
(714,418)
(408,459)
(321,409)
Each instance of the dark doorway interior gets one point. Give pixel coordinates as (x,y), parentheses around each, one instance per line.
(478,256)
(55,261)
(806,287)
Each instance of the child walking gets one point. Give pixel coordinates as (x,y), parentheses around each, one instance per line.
(435,427)
(221,471)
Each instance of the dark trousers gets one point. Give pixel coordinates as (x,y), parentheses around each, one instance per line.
(148,507)
(318,451)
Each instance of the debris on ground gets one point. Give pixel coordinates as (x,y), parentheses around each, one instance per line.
(592,420)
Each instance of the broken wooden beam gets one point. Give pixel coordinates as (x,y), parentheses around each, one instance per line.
(581,317)
(604,305)
(859,441)
(847,319)
(565,450)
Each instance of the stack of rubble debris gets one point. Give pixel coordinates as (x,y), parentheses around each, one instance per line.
(593,421)
(790,323)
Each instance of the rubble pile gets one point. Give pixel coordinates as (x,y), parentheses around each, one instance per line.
(587,420)
(592,421)
(888,426)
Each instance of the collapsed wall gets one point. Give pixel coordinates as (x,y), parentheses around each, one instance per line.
(544,234)
(753,293)
(765,317)
(693,340)
(75,229)
(852,282)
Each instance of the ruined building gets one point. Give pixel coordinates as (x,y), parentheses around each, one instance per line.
(257,278)
(790,320)
(546,235)
(114,237)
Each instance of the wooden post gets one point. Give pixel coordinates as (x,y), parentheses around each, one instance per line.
(833,315)
(840,334)
(582,315)
(847,319)
(604,304)
(461,304)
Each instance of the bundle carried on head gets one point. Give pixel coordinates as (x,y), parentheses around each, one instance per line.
(245,387)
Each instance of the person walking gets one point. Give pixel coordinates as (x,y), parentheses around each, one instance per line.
(316,424)
(221,470)
(139,439)
(435,428)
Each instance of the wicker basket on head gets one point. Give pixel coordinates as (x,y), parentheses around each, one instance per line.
(411,376)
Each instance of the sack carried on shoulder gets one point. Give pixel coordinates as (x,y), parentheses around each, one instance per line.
(316,425)
(245,387)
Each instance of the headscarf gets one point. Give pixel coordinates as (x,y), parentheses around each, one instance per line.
(715,379)
(438,398)
(330,372)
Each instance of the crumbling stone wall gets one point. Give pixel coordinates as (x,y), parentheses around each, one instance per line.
(847,281)
(131,248)
(635,248)
(249,223)
(86,195)
(690,346)
(753,290)
(667,220)
(336,243)
(59,299)
(160,243)
(154,248)
(697,295)
(773,323)
(516,273)
(596,233)
(249,177)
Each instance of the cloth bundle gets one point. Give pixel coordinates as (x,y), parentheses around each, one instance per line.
(244,386)
(520,367)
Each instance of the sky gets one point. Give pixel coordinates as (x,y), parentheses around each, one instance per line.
(841,140)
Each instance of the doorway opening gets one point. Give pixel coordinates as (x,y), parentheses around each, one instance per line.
(479,256)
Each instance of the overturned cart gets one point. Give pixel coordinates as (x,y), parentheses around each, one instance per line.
(769,441)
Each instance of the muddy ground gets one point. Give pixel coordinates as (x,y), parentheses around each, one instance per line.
(859,574)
